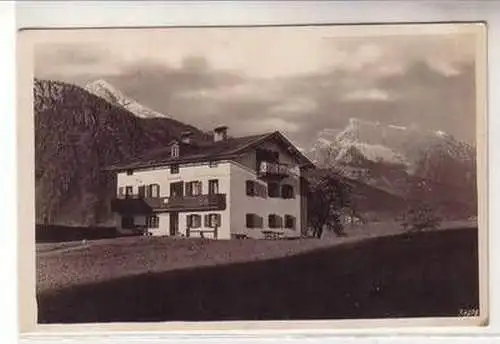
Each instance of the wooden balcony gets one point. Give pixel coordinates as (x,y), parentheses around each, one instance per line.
(135,204)
(277,170)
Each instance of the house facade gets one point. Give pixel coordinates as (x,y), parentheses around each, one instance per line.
(246,187)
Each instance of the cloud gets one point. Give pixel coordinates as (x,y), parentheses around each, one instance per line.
(301,83)
(295,105)
(374,94)
(245,91)
(272,124)
(74,60)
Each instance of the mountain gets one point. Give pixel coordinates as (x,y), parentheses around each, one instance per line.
(108,92)
(76,134)
(407,162)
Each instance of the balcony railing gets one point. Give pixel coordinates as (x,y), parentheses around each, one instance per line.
(270,169)
(137,204)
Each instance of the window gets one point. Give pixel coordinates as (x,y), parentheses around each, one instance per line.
(177,189)
(213,186)
(289,222)
(193,221)
(154,190)
(130,172)
(127,222)
(193,188)
(250,187)
(212,220)
(213,164)
(275,221)
(254,188)
(128,191)
(142,191)
(175,150)
(254,221)
(174,169)
(120,192)
(153,221)
(273,190)
(287,191)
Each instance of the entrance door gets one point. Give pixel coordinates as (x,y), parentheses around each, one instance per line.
(174,223)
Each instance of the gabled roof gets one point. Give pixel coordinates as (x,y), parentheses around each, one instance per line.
(208,151)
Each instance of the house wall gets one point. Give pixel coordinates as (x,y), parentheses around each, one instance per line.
(244,169)
(187,172)
(232,176)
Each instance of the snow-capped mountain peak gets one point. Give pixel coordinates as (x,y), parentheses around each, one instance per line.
(107,91)
(388,143)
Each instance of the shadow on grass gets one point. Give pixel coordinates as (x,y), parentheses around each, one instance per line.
(425,274)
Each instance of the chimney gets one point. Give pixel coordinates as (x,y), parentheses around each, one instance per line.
(220,133)
(186,137)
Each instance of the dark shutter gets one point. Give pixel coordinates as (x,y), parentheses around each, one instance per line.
(273,190)
(189,220)
(270,221)
(142,191)
(206,220)
(287,191)
(189,189)
(250,185)
(249,220)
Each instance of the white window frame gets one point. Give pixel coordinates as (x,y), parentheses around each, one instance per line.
(175,150)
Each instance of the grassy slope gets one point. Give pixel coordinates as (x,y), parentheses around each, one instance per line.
(429,274)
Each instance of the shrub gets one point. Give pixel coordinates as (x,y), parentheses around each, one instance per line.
(420,217)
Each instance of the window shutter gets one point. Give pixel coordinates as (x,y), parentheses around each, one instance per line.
(189,189)
(273,190)
(218,220)
(189,221)
(120,191)
(207,220)
(250,188)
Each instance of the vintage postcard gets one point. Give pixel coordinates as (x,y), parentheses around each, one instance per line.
(253,177)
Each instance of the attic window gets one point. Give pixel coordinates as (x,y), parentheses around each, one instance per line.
(175,150)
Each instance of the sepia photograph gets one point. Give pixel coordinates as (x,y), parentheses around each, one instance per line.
(268,173)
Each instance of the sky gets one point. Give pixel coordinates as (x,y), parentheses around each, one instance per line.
(299,80)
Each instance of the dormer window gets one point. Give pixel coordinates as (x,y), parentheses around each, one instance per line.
(175,150)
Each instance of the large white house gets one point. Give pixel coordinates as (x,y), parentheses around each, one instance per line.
(246,187)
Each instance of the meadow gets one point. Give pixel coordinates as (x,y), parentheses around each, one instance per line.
(365,275)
